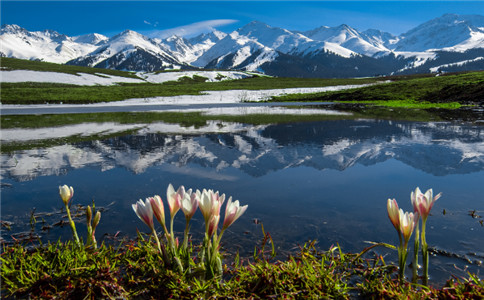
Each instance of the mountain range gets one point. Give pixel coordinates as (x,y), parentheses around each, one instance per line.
(448,43)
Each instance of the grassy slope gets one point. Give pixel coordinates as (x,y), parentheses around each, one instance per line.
(464,88)
(31,93)
(407,91)
(22,64)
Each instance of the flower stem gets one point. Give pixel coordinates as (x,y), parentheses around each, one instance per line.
(73,226)
(402,257)
(425,255)
(415,254)
(185,236)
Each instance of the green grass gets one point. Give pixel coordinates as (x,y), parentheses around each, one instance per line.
(134,270)
(195,119)
(463,88)
(22,64)
(408,104)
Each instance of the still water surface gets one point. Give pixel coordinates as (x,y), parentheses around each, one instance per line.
(327,181)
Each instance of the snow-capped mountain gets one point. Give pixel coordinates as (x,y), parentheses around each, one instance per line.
(179,47)
(233,51)
(201,43)
(208,39)
(378,37)
(257,44)
(47,45)
(349,38)
(131,51)
(449,32)
(91,38)
(285,41)
(448,43)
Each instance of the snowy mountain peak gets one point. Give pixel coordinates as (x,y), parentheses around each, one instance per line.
(130,39)
(91,38)
(347,37)
(179,47)
(337,34)
(276,38)
(12,29)
(256,24)
(173,38)
(449,30)
(257,29)
(208,38)
(218,34)
(128,33)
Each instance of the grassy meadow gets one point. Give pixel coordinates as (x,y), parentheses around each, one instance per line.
(39,93)
(445,91)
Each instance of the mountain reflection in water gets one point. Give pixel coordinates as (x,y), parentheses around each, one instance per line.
(435,148)
(317,180)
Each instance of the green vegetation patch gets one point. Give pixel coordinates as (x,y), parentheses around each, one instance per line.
(463,88)
(196,119)
(409,104)
(8,63)
(193,79)
(134,270)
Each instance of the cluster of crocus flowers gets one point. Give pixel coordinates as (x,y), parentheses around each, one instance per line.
(405,223)
(210,203)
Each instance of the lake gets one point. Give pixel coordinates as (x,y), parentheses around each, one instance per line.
(325,180)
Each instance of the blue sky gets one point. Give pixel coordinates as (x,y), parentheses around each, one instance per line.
(191,17)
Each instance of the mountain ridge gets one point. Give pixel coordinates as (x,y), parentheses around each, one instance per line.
(437,45)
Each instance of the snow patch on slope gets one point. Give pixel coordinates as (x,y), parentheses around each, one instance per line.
(212,76)
(54,77)
(456,64)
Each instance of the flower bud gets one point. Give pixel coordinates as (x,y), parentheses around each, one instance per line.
(96,220)
(66,193)
(88,214)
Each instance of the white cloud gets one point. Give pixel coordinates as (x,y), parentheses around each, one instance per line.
(191,29)
(150,23)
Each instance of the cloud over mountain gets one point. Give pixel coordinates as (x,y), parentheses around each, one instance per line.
(191,30)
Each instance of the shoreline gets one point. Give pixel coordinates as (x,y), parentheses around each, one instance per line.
(209,99)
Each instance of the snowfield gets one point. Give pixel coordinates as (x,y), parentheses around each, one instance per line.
(212,76)
(226,97)
(16,76)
